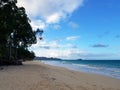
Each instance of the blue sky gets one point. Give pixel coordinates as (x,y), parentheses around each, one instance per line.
(88,29)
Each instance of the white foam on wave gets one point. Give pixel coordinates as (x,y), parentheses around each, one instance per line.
(113,72)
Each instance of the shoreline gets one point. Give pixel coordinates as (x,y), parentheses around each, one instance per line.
(34,75)
(86,69)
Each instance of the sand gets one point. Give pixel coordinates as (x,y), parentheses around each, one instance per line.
(38,76)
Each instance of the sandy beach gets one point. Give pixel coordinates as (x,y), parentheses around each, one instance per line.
(38,76)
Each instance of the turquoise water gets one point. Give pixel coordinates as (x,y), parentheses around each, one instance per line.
(104,67)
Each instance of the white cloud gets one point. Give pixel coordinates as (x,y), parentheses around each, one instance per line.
(73,24)
(65,54)
(54,18)
(72,38)
(46,12)
(50,11)
(51,45)
(38,24)
(56,49)
(67,51)
(56,26)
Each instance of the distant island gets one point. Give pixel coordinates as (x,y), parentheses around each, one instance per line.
(51,58)
(46,58)
(79,59)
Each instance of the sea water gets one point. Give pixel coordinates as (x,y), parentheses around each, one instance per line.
(104,67)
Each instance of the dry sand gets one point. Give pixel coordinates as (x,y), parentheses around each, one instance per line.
(38,76)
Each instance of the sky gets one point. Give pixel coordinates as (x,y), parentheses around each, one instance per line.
(73,29)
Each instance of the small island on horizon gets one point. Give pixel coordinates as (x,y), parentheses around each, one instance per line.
(46,58)
(52,58)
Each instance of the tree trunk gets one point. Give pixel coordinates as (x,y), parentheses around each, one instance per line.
(16,54)
(9,51)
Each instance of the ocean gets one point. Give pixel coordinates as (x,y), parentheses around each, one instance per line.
(104,67)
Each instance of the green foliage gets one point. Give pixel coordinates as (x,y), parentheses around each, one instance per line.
(16,33)
(25,54)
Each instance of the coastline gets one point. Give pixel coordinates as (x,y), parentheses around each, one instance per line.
(107,68)
(34,75)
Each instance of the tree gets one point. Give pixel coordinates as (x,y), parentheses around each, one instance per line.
(15,29)
(23,36)
(6,27)
(39,32)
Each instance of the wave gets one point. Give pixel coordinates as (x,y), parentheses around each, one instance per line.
(97,68)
